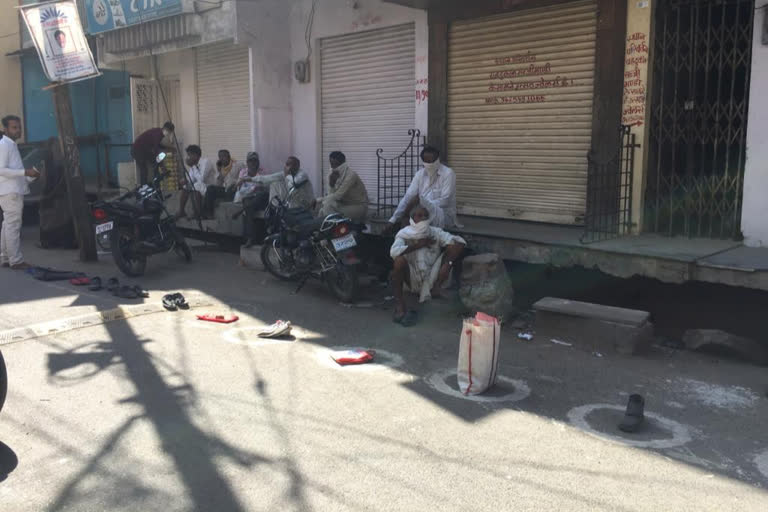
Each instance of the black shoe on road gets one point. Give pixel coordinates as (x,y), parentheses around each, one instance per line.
(635,415)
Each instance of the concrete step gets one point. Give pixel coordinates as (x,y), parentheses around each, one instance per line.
(593,326)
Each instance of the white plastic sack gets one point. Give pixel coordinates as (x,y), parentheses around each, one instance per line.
(478,354)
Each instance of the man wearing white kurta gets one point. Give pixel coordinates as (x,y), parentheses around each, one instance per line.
(201,174)
(13,188)
(423,260)
(434,188)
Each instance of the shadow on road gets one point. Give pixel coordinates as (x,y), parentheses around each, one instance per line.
(8,461)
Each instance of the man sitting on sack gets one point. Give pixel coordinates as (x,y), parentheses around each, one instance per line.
(424,257)
(434,188)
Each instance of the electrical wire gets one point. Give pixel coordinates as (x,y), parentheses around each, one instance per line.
(308,30)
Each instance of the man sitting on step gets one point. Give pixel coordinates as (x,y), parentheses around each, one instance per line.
(434,188)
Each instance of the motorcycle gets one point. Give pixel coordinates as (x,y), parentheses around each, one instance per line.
(139,225)
(3,381)
(299,246)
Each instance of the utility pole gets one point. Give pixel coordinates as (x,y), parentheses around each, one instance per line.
(78,204)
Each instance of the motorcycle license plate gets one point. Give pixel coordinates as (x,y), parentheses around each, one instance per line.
(344,243)
(103,228)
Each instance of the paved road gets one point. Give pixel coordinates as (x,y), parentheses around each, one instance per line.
(165,413)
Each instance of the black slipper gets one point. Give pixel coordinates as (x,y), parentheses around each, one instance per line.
(409,319)
(125,292)
(112,284)
(140,292)
(95,284)
(398,319)
(180,301)
(169,302)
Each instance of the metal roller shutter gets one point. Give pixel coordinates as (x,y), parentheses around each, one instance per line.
(520,92)
(367,97)
(224,100)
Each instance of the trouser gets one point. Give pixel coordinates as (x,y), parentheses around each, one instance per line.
(252,205)
(12,206)
(143,166)
(355,212)
(212,194)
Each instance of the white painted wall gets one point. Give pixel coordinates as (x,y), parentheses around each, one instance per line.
(263,26)
(334,18)
(754,217)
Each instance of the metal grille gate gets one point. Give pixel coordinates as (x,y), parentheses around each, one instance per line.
(609,191)
(395,174)
(701,64)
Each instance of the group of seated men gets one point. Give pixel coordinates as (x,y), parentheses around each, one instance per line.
(423,252)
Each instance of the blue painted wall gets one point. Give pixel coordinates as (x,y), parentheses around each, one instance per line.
(100,105)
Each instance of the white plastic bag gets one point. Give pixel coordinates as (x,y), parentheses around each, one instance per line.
(478,354)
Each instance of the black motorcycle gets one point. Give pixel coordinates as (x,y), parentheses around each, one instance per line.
(299,246)
(140,226)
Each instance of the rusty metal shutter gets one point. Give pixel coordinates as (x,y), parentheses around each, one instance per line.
(520,93)
(367,97)
(224,100)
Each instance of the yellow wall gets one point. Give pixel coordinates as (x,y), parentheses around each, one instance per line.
(10,67)
(636,109)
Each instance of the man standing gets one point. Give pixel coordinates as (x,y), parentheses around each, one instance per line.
(424,257)
(348,196)
(227,175)
(201,175)
(13,188)
(434,188)
(147,146)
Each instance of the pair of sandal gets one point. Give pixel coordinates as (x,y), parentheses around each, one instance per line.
(407,319)
(124,291)
(175,301)
(113,285)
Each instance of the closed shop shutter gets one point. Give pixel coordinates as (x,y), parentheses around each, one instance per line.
(368,99)
(520,93)
(224,100)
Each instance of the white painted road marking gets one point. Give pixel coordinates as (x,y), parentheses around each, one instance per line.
(437,381)
(680,433)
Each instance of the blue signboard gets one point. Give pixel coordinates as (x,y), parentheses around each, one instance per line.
(104,15)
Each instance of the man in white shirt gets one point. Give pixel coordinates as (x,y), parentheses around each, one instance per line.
(202,173)
(434,188)
(13,188)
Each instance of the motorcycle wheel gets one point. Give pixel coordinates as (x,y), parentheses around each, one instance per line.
(343,282)
(272,262)
(129,264)
(3,381)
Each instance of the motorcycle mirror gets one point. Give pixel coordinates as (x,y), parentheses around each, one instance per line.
(160,157)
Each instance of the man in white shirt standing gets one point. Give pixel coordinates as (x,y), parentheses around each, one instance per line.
(434,188)
(13,188)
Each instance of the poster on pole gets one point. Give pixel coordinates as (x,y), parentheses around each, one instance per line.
(58,36)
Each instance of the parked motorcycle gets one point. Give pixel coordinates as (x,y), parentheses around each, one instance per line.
(3,381)
(299,246)
(140,226)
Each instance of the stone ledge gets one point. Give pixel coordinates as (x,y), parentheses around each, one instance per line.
(593,327)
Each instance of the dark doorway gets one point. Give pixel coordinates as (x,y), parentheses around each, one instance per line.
(701,58)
